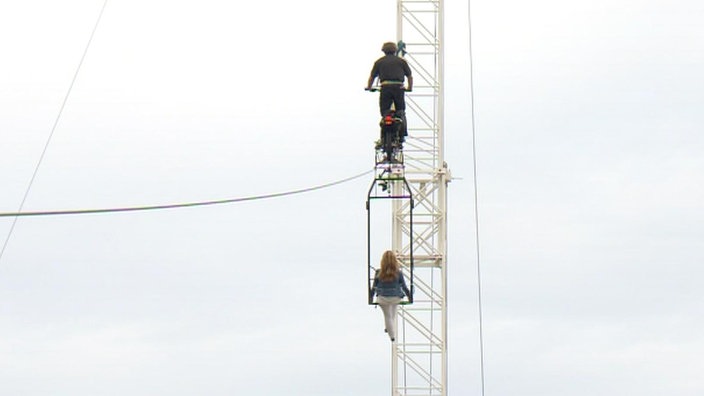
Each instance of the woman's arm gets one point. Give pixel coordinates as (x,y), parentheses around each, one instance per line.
(372,291)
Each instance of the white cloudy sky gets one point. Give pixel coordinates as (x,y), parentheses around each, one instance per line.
(589,139)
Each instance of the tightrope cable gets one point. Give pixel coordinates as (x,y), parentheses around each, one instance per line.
(182,205)
(476,199)
(53,128)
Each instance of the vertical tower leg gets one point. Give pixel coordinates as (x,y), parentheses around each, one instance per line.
(420,356)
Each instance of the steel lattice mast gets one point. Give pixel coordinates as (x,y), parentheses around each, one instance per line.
(419,358)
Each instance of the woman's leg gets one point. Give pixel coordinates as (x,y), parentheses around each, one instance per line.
(389,306)
(388,319)
(393,310)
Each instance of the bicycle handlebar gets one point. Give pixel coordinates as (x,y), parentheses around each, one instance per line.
(376,89)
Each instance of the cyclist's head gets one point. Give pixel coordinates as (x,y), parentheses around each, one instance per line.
(389,48)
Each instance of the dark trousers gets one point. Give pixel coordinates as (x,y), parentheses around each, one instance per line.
(392,93)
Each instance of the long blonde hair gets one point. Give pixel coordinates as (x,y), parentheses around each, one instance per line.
(390,267)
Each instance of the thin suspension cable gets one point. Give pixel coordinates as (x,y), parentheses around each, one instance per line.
(183,205)
(476,197)
(53,129)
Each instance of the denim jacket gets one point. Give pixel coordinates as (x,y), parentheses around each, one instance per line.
(394,288)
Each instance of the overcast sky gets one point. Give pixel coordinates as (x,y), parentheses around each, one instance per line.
(591,202)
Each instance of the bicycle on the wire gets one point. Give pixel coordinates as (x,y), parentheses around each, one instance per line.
(389,147)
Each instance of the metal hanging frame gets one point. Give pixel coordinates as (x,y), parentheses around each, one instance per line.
(387,184)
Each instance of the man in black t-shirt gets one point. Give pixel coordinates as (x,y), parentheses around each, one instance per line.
(391,71)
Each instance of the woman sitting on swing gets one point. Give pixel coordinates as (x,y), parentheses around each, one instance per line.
(390,288)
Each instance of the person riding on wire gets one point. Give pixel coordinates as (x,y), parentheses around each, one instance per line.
(390,288)
(391,71)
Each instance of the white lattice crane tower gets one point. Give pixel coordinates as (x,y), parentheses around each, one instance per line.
(419,358)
